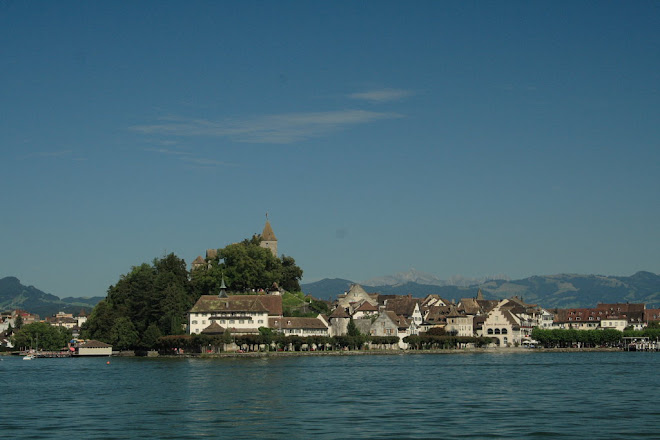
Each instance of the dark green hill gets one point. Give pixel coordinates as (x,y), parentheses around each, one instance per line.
(550,291)
(14,295)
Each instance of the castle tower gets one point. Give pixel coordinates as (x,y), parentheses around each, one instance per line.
(268,239)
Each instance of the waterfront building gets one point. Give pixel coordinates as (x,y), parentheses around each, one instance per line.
(458,323)
(241,314)
(338,320)
(614,315)
(94,348)
(389,323)
(303,327)
(502,326)
(406,306)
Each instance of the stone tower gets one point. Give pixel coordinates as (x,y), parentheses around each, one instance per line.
(268,239)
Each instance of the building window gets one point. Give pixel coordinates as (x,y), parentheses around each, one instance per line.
(194,322)
(261,321)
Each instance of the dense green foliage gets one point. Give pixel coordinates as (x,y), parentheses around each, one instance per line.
(551,338)
(150,301)
(247,266)
(42,336)
(652,332)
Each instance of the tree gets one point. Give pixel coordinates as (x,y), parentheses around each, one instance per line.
(18,322)
(123,333)
(436,331)
(151,336)
(43,336)
(291,275)
(157,294)
(246,266)
(352,329)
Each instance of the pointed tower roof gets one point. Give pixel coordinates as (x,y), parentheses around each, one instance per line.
(223,288)
(480,294)
(268,234)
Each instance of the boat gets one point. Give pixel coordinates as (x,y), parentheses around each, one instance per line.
(31,355)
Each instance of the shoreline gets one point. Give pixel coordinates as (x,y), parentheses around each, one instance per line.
(262,354)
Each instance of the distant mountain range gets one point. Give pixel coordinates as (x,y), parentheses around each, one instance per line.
(14,295)
(415,276)
(549,291)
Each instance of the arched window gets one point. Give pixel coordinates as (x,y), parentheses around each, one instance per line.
(490,331)
(497,331)
(504,331)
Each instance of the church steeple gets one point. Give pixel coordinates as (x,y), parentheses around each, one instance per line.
(268,239)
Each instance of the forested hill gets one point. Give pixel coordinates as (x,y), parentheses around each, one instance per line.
(14,295)
(550,291)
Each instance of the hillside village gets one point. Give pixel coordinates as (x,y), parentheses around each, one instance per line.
(506,322)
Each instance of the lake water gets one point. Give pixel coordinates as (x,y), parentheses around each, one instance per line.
(479,395)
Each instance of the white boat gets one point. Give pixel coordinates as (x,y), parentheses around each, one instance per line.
(28,357)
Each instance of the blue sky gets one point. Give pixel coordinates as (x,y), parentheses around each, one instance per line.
(470,138)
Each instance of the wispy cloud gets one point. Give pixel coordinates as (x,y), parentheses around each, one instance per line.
(382,95)
(276,129)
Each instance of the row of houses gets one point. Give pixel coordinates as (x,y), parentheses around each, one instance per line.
(10,320)
(507,322)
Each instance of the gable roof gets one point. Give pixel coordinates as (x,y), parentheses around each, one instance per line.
(290,322)
(402,305)
(94,344)
(339,312)
(272,302)
(400,321)
(213,329)
(233,303)
(366,306)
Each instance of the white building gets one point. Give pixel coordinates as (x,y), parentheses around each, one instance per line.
(241,314)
